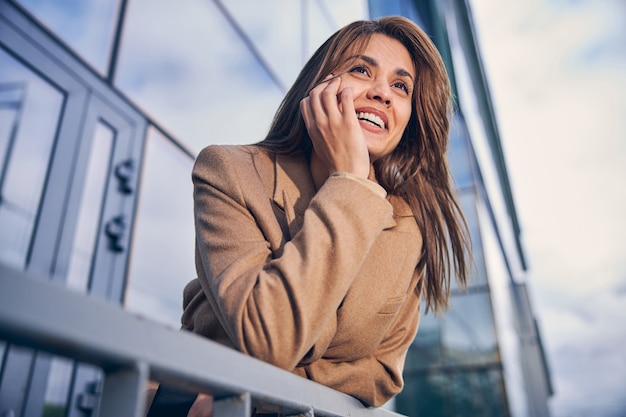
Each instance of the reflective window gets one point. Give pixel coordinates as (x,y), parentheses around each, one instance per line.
(464,334)
(279,45)
(86,26)
(459,155)
(195,74)
(90,207)
(505,317)
(162,256)
(426,348)
(454,393)
(478,276)
(58,387)
(29,112)
(467,333)
(320,24)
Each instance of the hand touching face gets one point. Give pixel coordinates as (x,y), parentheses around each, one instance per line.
(381,80)
(360,116)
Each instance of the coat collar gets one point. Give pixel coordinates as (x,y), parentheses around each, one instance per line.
(289,182)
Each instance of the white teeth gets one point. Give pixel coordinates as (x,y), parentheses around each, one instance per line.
(372,118)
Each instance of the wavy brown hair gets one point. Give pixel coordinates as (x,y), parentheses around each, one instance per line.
(417,169)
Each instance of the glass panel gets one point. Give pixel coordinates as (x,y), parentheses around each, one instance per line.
(342,12)
(197,78)
(162,256)
(505,317)
(450,393)
(58,387)
(87,26)
(424,394)
(468,334)
(478,393)
(478,275)
(459,153)
(29,112)
(320,26)
(90,207)
(280,45)
(426,348)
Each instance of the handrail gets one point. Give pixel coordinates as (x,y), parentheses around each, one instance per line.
(131,350)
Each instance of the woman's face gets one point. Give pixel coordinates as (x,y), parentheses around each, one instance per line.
(382,80)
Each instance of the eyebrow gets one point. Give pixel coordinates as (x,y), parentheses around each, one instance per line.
(400,71)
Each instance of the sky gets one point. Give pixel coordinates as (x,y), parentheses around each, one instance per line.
(557,73)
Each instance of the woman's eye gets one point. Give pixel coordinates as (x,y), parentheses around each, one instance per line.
(402,86)
(359,69)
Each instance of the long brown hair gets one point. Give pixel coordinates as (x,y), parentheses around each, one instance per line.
(417,169)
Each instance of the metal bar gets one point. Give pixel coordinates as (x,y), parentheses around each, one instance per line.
(44,315)
(237,406)
(124,390)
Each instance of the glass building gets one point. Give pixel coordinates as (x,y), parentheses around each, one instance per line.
(104,105)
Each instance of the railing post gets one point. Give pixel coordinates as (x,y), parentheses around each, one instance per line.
(236,406)
(123,392)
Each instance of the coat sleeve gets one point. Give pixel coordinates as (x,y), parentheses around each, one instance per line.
(377,378)
(275,308)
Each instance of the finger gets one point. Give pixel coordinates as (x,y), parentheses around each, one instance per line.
(347,104)
(309,118)
(329,96)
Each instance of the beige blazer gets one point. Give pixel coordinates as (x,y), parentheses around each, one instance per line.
(318,282)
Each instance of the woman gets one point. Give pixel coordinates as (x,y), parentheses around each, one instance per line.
(314,246)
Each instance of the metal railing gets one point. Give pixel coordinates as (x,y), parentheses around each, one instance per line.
(131,351)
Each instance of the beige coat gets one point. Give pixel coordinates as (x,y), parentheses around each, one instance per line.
(322,284)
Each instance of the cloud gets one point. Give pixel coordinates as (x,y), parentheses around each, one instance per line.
(556,73)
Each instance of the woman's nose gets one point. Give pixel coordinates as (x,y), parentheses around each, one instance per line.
(380,92)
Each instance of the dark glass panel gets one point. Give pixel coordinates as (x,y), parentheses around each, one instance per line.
(459,155)
(478,274)
(477,392)
(468,334)
(425,351)
(424,394)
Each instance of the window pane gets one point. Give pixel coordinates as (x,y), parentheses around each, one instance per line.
(478,275)
(475,392)
(425,351)
(468,334)
(162,256)
(90,208)
(29,112)
(86,26)
(195,74)
(459,153)
(424,394)
(57,387)
(279,45)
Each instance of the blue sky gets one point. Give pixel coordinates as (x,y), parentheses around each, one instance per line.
(557,73)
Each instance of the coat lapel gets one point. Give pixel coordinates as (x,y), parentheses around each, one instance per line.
(289,184)
(294,188)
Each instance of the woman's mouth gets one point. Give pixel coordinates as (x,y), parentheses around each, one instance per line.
(371,118)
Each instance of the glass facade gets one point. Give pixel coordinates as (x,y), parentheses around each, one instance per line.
(103,107)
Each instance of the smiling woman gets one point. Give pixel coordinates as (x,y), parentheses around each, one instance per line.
(315,245)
